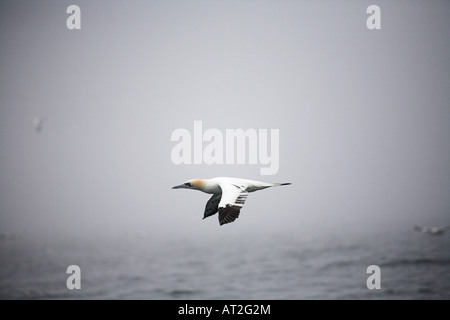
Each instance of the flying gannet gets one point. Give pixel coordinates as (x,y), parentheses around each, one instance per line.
(228,194)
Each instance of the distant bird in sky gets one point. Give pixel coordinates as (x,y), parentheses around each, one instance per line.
(228,194)
(38,123)
(434,231)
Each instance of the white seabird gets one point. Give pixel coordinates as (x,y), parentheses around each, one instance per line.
(38,123)
(228,194)
(434,231)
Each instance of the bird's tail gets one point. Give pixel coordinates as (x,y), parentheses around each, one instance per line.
(281,184)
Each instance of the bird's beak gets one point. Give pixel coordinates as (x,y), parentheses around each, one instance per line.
(181,186)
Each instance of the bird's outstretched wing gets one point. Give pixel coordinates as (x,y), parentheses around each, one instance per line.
(212,206)
(233,199)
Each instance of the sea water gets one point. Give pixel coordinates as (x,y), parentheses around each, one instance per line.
(279,266)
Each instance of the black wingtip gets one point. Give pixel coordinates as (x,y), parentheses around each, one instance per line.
(228,214)
(285,184)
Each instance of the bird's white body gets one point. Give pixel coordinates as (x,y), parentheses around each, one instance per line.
(228,194)
(213,185)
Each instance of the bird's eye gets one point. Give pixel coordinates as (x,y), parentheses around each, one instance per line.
(188,184)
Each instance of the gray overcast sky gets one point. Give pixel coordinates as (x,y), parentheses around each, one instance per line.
(363,115)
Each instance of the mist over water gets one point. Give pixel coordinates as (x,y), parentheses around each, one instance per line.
(86,118)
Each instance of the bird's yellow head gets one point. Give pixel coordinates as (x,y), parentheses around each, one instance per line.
(195,184)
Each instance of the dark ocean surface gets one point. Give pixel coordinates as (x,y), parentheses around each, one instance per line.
(413,266)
